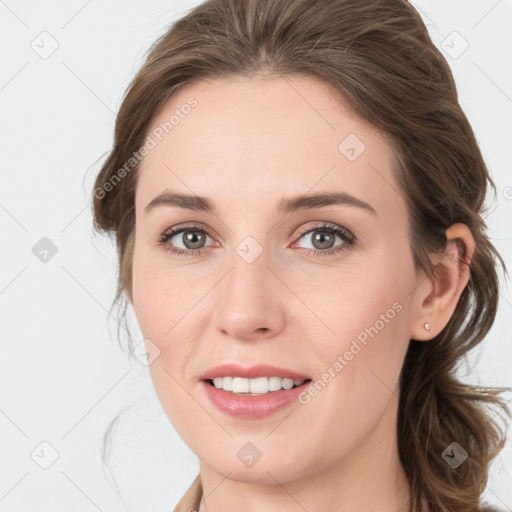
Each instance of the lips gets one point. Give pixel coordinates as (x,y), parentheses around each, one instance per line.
(252,407)
(246,407)
(252,372)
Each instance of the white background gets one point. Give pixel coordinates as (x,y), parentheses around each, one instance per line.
(62,376)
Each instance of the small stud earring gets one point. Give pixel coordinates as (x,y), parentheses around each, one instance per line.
(427,326)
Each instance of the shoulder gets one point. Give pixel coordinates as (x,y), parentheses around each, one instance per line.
(486,507)
(482,507)
(192,497)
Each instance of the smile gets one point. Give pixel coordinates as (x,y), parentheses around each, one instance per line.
(254,387)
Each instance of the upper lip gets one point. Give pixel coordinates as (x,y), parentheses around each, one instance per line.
(251,372)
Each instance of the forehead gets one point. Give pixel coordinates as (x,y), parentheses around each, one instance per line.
(264,138)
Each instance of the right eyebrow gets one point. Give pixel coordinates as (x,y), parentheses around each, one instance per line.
(187,201)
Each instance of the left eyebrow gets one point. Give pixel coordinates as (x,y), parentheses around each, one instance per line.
(320,199)
(285,205)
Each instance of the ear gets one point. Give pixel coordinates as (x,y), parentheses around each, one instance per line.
(437,298)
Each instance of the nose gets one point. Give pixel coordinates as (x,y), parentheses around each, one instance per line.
(250,304)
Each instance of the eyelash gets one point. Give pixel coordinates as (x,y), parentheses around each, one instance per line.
(348,239)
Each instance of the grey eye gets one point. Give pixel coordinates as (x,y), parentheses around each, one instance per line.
(321,238)
(190,238)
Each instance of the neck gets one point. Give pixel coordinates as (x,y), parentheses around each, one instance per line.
(369,478)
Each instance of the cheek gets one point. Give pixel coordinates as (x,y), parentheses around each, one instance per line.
(161,314)
(164,307)
(158,307)
(355,304)
(360,361)
(156,296)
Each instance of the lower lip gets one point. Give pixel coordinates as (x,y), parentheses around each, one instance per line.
(252,407)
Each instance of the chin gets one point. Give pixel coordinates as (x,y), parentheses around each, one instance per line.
(263,471)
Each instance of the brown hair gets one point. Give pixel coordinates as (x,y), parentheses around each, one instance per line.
(379,57)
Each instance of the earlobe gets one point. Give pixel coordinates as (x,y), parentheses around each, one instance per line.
(439,298)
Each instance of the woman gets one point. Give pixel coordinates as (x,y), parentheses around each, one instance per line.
(296,196)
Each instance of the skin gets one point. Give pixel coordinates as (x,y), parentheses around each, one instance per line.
(247,144)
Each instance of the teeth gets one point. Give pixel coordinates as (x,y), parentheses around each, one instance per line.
(226,383)
(274,383)
(257,386)
(240,385)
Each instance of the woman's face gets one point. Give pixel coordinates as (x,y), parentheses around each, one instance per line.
(264,278)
